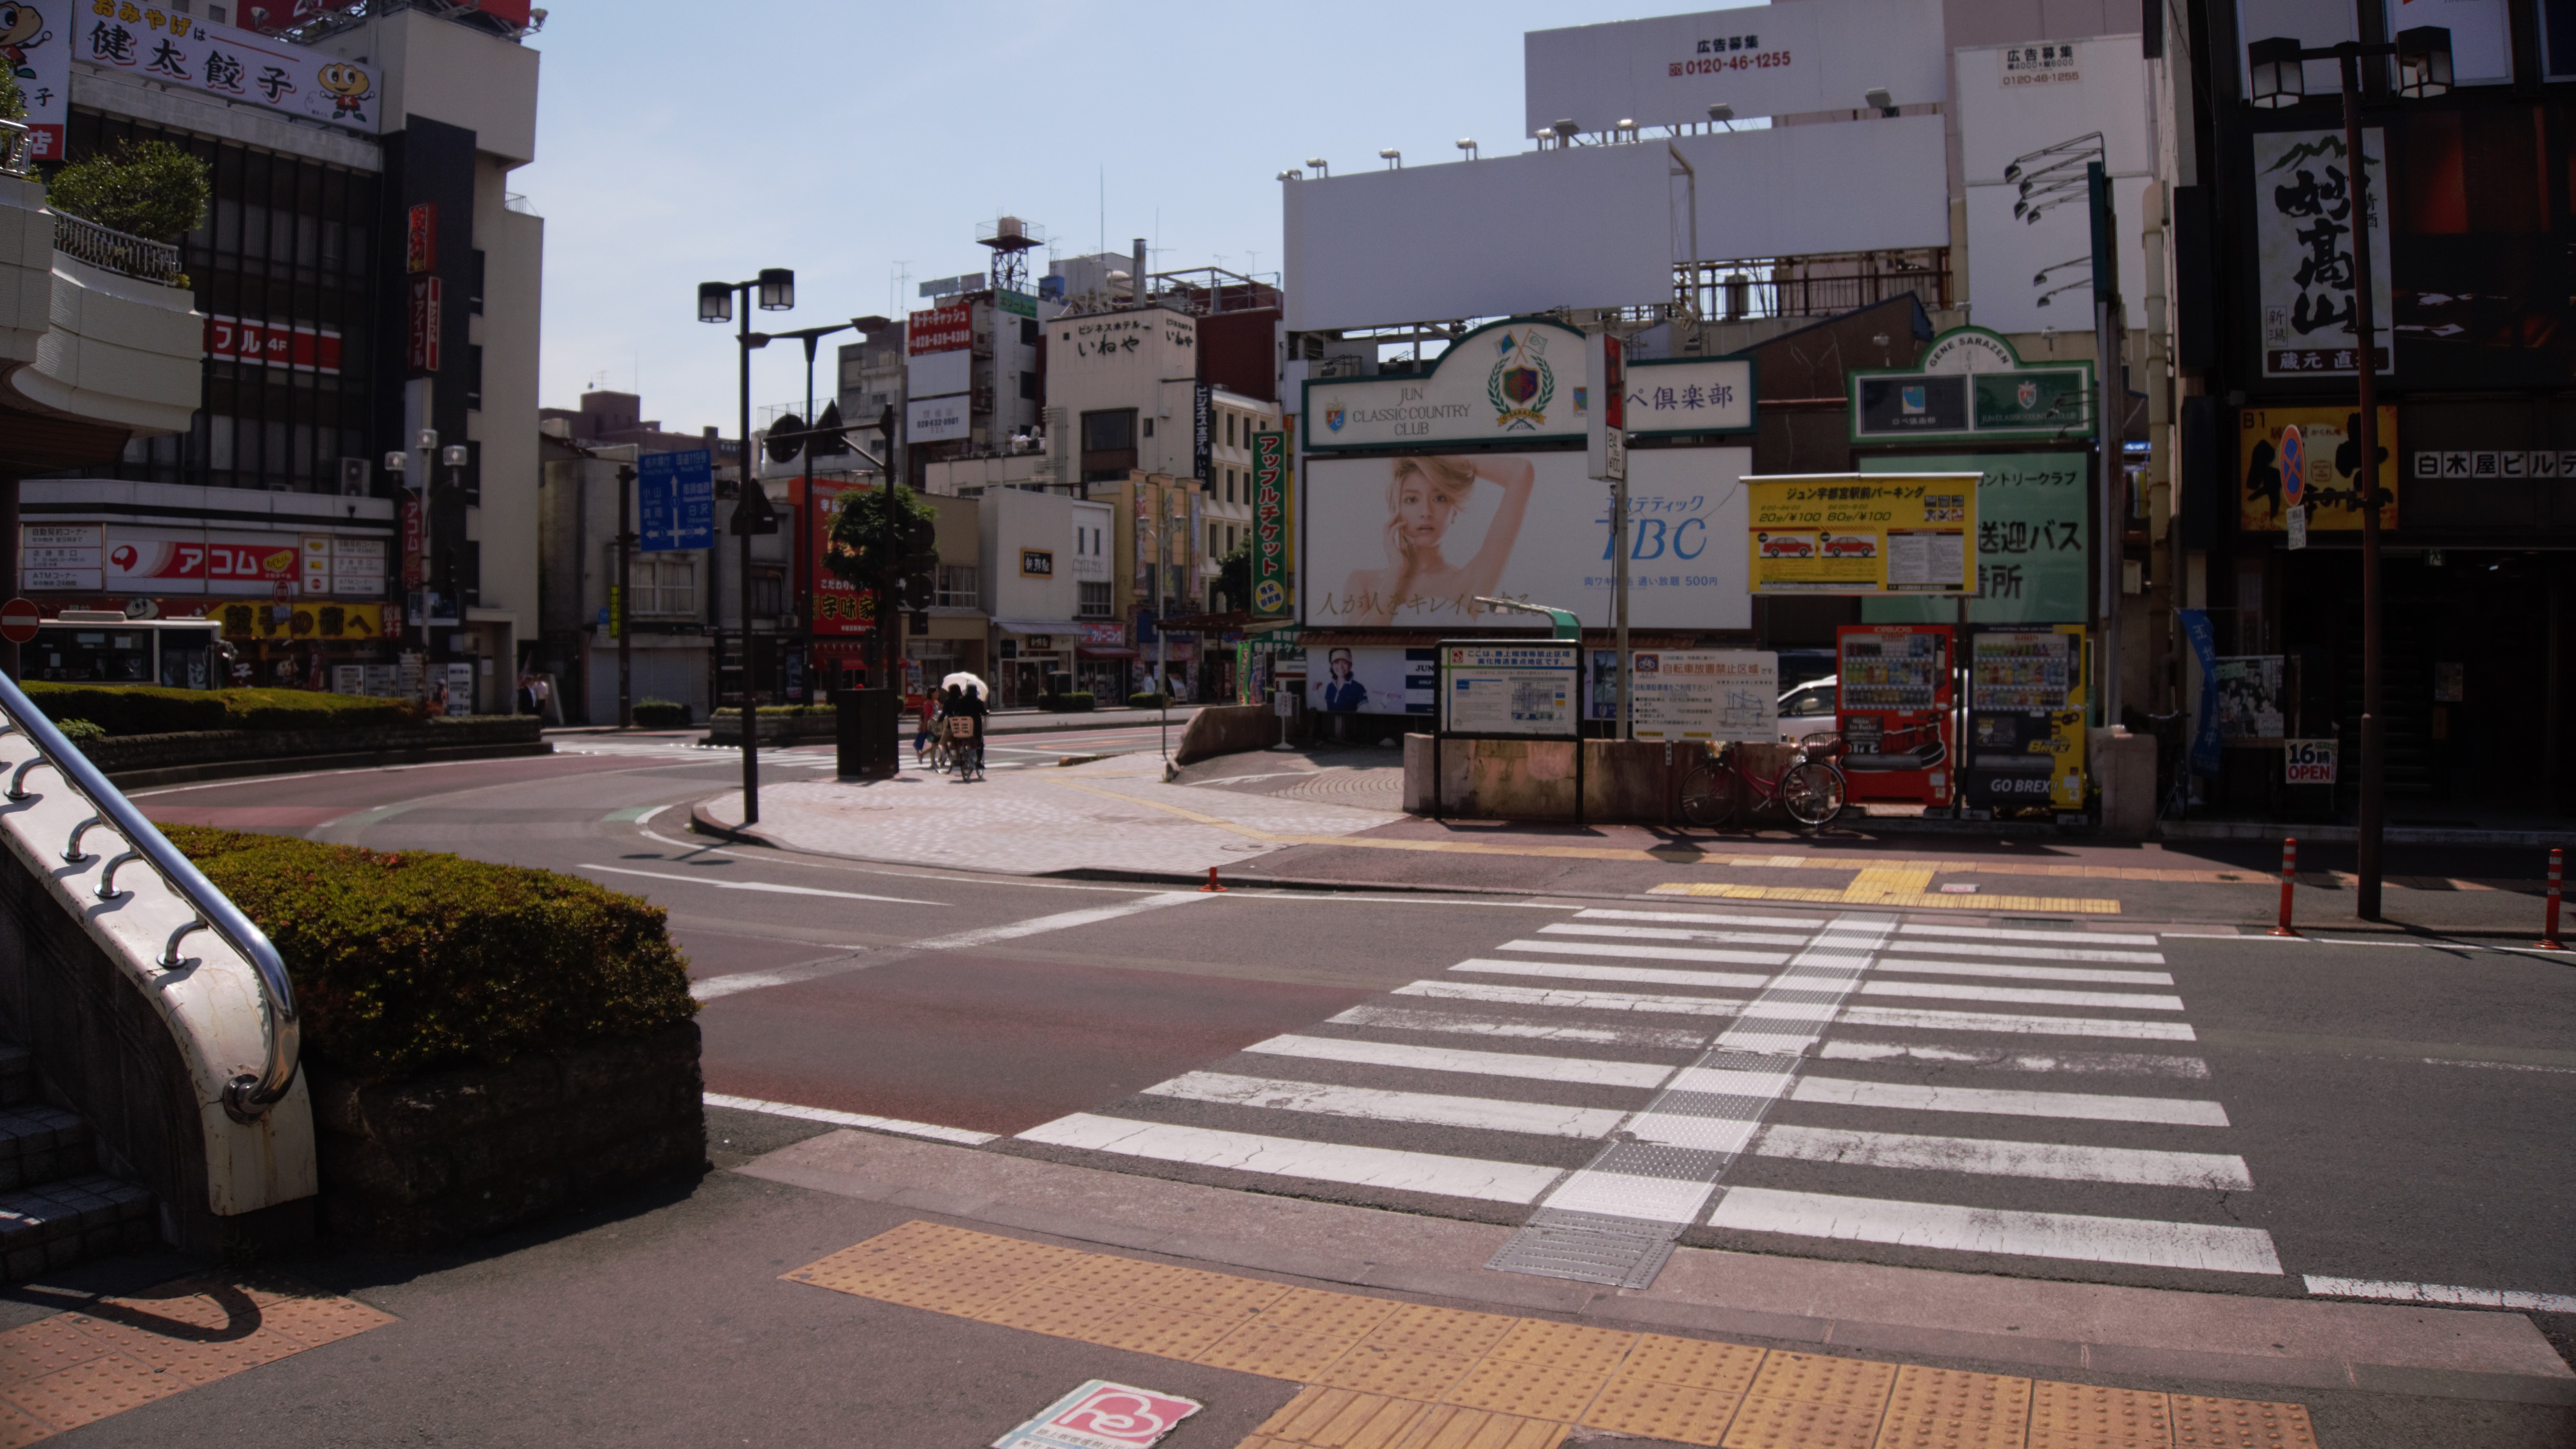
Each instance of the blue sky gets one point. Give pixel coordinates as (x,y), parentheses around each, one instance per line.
(687,142)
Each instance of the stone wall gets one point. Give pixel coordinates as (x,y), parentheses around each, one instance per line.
(1633,782)
(1227,729)
(415,1163)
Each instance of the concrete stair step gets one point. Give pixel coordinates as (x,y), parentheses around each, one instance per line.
(17,1075)
(71,1220)
(40,1143)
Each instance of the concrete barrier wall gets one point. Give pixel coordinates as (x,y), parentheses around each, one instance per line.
(1227,729)
(1636,782)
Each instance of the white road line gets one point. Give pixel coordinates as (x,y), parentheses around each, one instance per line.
(1577,999)
(2034,953)
(1915,1097)
(2005,972)
(1987,1230)
(2443,1293)
(1370,1104)
(851,1119)
(1064,921)
(2106,1064)
(1285,1157)
(1575,971)
(1396,1018)
(1650,953)
(1992,933)
(2035,996)
(1450,1059)
(1669,933)
(2016,1025)
(1808,924)
(1988,1158)
(757,885)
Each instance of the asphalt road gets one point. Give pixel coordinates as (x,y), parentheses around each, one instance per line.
(2097,1100)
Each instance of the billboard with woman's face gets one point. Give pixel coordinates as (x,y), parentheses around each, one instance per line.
(1413,542)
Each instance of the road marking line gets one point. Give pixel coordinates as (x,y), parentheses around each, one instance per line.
(1650,953)
(1986,1230)
(2442,1293)
(761,886)
(1930,1020)
(1380,1167)
(2036,996)
(1568,996)
(1063,921)
(851,1119)
(1451,1059)
(2016,972)
(2495,1066)
(1915,1097)
(2119,1064)
(1670,933)
(1988,1158)
(1393,1018)
(1875,894)
(1371,1104)
(1578,971)
(2107,938)
(363,818)
(1805,923)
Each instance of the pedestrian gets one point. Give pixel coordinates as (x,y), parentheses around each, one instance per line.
(970,705)
(929,712)
(436,705)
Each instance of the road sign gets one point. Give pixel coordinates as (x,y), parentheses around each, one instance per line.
(675,494)
(19,620)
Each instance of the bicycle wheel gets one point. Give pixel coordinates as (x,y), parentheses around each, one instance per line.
(1812,793)
(1710,796)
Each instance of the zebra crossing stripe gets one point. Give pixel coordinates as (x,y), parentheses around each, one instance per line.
(2121,1064)
(1806,925)
(1651,953)
(2003,972)
(1897,1018)
(1933,1020)
(1577,971)
(2094,1106)
(1449,1059)
(1987,1158)
(1994,933)
(1670,933)
(1396,1018)
(1372,1105)
(1380,1167)
(1544,996)
(2032,995)
(2037,953)
(2142,1241)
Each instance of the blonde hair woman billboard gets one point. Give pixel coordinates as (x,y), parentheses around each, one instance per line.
(1423,498)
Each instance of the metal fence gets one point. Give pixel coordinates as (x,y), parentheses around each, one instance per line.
(1813,286)
(132,256)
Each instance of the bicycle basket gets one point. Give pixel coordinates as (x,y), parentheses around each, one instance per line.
(961,727)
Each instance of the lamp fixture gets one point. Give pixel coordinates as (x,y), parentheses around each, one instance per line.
(2275,76)
(1292,175)
(397,462)
(426,442)
(2424,62)
(1468,145)
(715,302)
(1878,99)
(1720,113)
(1393,158)
(453,455)
(1320,169)
(777,289)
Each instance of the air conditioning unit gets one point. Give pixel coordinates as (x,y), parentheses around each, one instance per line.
(355,477)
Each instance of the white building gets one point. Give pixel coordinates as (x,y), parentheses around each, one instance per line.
(1046,582)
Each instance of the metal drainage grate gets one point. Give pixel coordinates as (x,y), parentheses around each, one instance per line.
(1588,1248)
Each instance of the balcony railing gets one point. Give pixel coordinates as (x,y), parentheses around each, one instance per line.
(17,149)
(1813,286)
(132,256)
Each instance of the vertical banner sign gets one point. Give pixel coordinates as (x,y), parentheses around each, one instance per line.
(1604,405)
(1269,523)
(675,496)
(420,239)
(2304,220)
(1202,431)
(415,542)
(426,296)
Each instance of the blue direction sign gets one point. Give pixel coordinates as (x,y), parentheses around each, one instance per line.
(676,494)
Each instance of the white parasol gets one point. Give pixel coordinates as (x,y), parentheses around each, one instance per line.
(963,680)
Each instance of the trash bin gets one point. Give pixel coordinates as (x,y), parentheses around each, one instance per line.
(870,733)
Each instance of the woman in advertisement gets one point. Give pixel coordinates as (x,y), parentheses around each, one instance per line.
(1343,693)
(1423,498)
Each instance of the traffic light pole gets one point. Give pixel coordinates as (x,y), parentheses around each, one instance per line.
(623,613)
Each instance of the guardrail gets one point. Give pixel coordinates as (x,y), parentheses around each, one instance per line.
(17,148)
(84,240)
(249,1095)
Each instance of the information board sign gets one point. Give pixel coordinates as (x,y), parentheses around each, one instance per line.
(1504,688)
(1848,533)
(675,496)
(1693,694)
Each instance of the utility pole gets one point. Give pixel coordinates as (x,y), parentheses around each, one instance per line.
(2111,432)
(745,520)
(624,611)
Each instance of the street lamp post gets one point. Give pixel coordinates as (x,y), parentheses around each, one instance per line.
(624,611)
(2278,69)
(812,436)
(776,291)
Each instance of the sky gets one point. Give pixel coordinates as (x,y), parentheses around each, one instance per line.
(680,143)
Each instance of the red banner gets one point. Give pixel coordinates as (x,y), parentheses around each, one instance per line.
(941,329)
(426,295)
(420,239)
(273,344)
(414,539)
(839,606)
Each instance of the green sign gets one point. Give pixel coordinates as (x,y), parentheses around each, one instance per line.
(1018,304)
(1974,387)
(2032,541)
(2051,400)
(1270,557)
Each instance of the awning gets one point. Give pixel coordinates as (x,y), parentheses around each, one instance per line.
(1037,626)
(1104,651)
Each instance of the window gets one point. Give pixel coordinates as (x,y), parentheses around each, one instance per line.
(1028,332)
(1229,430)
(666,585)
(768,594)
(474,298)
(1029,386)
(1149,427)
(1095,600)
(958,586)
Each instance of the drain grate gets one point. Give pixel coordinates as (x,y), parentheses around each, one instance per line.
(1588,1248)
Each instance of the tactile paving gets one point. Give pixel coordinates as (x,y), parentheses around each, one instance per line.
(2082,1416)
(1450,1330)
(2200,1423)
(1567,1346)
(1446,1427)
(1274,1351)
(1934,1408)
(1340,1419)
(1813,1378)
(1405,1371)
(1693,1363)
(1649,1410)
(1309,1310)
(1766,1423)
(1532,1391)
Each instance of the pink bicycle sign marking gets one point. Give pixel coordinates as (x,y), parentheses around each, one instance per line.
(1101,1415)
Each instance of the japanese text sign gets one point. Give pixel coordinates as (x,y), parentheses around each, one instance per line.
(160,44)
(2330,452)
(1270,523)
(1511,689)
(2304,218)
(1889,533)
(675,496)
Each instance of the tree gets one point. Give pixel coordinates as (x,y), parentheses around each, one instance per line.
(153,190)
(13,102)
(886,542)
(1234,575)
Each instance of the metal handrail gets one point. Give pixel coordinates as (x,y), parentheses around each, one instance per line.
(249,1095)
(17,148)
(104,246)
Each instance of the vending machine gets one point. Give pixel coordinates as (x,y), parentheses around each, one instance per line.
(1893,703)
(2025,716)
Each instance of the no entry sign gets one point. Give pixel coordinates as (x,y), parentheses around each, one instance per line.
(19,620)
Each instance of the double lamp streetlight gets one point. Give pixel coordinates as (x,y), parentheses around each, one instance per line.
(2278,78)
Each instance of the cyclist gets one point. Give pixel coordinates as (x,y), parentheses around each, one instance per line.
(966,714)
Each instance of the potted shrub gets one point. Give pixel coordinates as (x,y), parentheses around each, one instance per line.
(150,189)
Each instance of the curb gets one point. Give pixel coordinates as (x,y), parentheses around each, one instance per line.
(160,775)
(2346,834)
(702,823)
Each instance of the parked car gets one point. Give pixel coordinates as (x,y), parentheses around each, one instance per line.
(1808,709)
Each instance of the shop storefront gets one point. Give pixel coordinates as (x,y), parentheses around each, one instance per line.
(1025,652)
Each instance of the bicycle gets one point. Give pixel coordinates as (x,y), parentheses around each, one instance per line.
(965,748)
(1810,789)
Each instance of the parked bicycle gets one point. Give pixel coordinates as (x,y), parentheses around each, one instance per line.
(1810,789)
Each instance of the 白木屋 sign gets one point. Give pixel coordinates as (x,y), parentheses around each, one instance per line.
(1846,533)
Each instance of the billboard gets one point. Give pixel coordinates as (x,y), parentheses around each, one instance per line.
(2031,115)
(2327,453)
(936,419)
(840,608)
(35,47)
(170,48)
(1692,694)
(1370,679)
(1764,60)
(2033,528)
(1411,542)
(2303,257)
(939,354)
(1843,533)
(1511,382)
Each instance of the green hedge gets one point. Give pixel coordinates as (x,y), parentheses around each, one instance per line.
(409,962)
(660,714)
(1148,701)
(1073,703)
(145,709)
(781,711)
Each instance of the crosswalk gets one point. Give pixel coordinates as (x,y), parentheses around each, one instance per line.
(997,754)
(1775,1080)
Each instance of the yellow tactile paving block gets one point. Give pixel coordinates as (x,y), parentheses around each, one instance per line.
(2058,905)
(2200,1423)
(1390,1375)
(119,1353)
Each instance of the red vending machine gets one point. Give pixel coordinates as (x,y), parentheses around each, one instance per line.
(1892,703)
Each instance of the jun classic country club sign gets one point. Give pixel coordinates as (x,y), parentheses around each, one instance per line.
(1520,381)
(1973,384)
